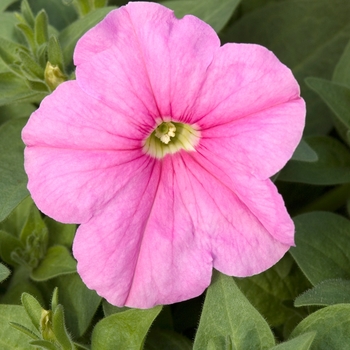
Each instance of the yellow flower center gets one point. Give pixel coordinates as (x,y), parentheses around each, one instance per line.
(171,137)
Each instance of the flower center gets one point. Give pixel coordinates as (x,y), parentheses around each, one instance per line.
(171,137)
(164,131)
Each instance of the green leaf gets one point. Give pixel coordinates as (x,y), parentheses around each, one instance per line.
(28,33)
(16,111)
(341,73)
(70,35)
(308,36)
(19,284)
(332,167)
(55,55)
(322,246)
(58,261)
(8,23)
(15,222)
(41,29)
(109,309)
(4,4)
(337,97)
(24,330)
(44,344)
(304,153)
(272,291)
(100,3)
(10,337)
(79,302)
(160,339)
(15,90)
(60,234)
(226,312)
(59,328)
(215,13)
(221,343)
(332,325)
(8,53)
(301,342)
(13,180)
(27,13)
(83,7)
(54,300)
(31,66)
(34,225)
(124,330)
(33,309)
(328,292)
(4,272)
(8,244)
(60,15)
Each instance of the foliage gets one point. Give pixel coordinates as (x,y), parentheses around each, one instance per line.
(301,303)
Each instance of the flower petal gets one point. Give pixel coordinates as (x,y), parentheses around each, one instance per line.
(244,223)
(157,241)
(250,111)
(142,246)
(79,153)
(149,56)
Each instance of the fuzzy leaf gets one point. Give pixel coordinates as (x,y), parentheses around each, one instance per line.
(8,244)
(59,328)
(271,292)
(33,309)
(60,234)
(227,312)
(322,246)
(332,325)
(331,168)
(341,73)
(41,30)
(44,344)
(55,55)
(304,153)
(60,15)
(15,90)
(215,13)
(328,292)
(124,330)
(79,302)
(301,342)
(4,4)
(4,272)
(337,97)
(308,36)
(13,180)
(27,13)
(10,337)
(57,261)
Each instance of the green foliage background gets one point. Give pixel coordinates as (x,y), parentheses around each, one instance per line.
(301,303)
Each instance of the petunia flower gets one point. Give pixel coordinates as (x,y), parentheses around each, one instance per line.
(162,150)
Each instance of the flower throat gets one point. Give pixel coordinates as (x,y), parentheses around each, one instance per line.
(171,137)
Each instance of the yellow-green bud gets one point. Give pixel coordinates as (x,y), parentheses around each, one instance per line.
(53,76)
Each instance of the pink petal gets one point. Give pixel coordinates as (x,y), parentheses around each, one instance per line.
(241,220)
(143,246)
(250,112)
(79,153)
(156,242)
(148,61)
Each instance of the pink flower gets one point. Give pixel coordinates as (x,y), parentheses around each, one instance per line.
(162,151)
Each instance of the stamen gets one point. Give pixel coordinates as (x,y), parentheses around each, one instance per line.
(171,137)
(165,131)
